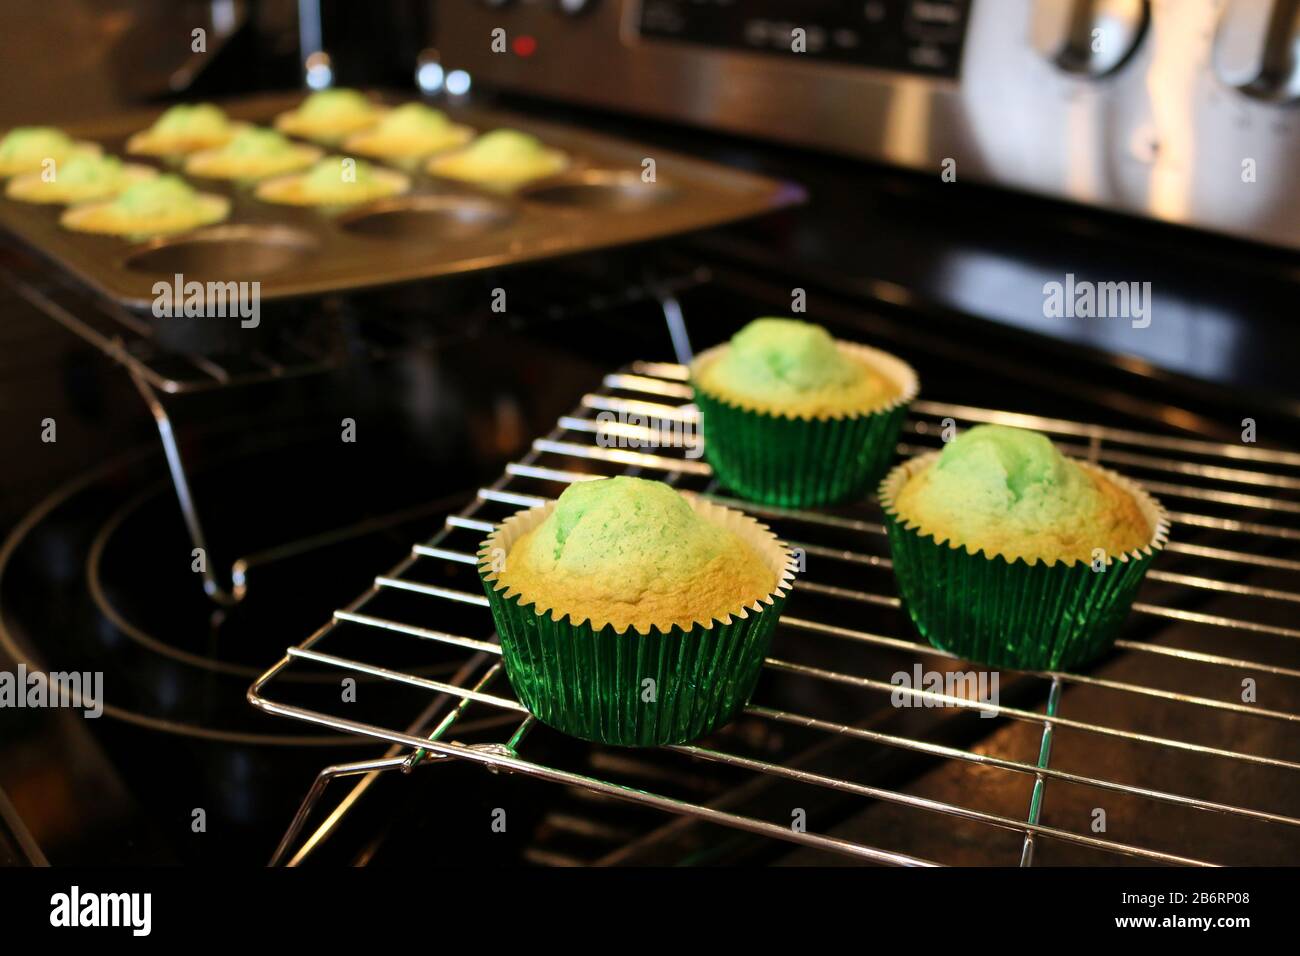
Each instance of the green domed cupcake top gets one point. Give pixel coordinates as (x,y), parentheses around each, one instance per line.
(326,104)
(334,181)
(86,169)
(413,119)
(784,365)
(165,195)
(502,146)
(328,175)
(502,159)
(643,525)
(147,207)
(787,355)
(32,145)
(254,141)
(191,119)
(631,551)
(1013,475)
(83,176)
(1009,491)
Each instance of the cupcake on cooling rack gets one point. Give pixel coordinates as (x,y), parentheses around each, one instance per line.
(153,207)
(1011,554)
(631,614)
(501,159)
(793,417)
(330,116)
(252,154)
(334,181)
(83,177)
(39,149)
(183,129)
(409,132)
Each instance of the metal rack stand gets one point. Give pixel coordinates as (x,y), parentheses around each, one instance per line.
(1228,486)
(160,374)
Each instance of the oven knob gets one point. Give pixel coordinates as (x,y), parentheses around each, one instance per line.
(1088,37)
(1257,48)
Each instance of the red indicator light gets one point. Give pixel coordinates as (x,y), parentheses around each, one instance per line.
(524,45)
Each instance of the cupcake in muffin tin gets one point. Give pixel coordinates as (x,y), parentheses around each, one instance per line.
(183,129)
(334,181)
(503,159)
(252,154)
(330,116)
(83,177)
(153,207)
(407,133)
(31,149)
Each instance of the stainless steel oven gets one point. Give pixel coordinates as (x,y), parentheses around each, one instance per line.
(1176,111)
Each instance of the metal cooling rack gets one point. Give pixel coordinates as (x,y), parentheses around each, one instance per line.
(1236,512)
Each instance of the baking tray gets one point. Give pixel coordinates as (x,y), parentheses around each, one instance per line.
(439,228)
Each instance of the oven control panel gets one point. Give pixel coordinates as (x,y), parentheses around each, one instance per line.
(920,36)
(1186,111)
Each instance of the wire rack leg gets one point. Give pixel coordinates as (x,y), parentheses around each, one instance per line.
(397,758)
(676,321)
(1040,782)
(317,790)
(211,586)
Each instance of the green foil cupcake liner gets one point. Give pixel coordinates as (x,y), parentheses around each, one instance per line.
(796,461)
(593,682)
(1004,613)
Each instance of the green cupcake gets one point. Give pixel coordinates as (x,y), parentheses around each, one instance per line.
(252,154)
(1010,554)
(157,206)
(329,116)
(185,128)
(334,181)
(30,149)
(409,132)
(501,159)
(83,177)
(630,614)
(793,417)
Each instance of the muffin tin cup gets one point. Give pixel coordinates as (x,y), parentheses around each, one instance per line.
(632,688)
(1004,613)
(801,461)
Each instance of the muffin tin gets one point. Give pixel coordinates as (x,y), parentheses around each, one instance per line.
(439,228)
